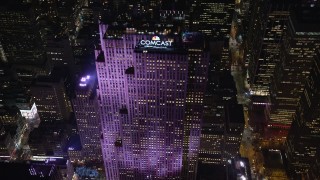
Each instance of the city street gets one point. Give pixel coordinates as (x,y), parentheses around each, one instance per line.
(250,145)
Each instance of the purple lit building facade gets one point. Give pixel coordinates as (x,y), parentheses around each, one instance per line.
(86,112)
(142,97)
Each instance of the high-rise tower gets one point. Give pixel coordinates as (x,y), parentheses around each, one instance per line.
(212,18)
(19,39)
(198,61)
(302,145)
(85,107)
(301,40)
(264,43)
(150,101)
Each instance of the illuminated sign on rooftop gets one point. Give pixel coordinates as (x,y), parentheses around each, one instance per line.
(84,81)
(29,113)
(156,43)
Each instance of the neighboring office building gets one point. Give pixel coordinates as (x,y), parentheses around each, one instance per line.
(253,25)
(8,115)
(54,109)
(220,142)
(212,18)
(314,172)
(85,106)
(262,64)
(302,144)
(49,139)
(50,169)
(235,168)
(221,92)
(234,128)
(49,94)
(19,38)
(8,125)
(274,164)
(298,49)
(198,62)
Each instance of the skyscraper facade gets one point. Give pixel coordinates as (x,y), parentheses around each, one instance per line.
(266,51)
(220,96)
(142,107)
(85,106)
(198,60)
(19,39)
(142,94)
(279,47)
(212,18)
(302,145)
(50,96)
(298,48)
(234,128)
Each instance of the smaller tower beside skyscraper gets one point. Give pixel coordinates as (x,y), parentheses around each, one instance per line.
(85,106)
(198,62)
(49,93)
(223,121)
(54,108)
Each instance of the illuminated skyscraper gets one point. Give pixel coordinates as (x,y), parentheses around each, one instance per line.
(19,39)
(265,50)
(280,44)
(212,17)
(150,101)
(254,31)
(198,60)
(49,94)
(301,40)
(86,112)
(302,145)
(223,121)
(54,109)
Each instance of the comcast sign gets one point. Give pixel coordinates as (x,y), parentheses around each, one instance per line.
(155,42)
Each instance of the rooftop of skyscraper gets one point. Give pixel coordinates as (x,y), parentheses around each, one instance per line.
(306,20)
(234,113)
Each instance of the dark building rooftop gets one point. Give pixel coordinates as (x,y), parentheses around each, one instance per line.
(273,158)
(234,113)
(210,171)
(28,170)
(10,111)
(221,84)
(56,75)
(306,20)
